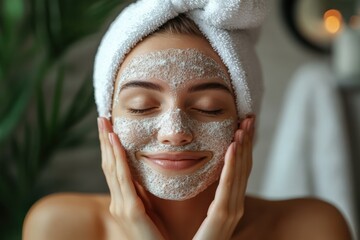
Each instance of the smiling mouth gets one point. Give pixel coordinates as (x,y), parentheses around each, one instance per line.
(176,161)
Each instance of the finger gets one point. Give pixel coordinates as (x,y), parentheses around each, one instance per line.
(239,169)
(227,193)
(221,200)
(147,204)
(243,124)
(122,170)
(251,143)
(105,161)
(211,227)
(141,192)
(108,162)
(248,126)
(241,166)
(241,181)
(252,129)
(107,147)
(101,138)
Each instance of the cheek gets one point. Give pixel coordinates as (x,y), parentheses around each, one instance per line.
(133,133)
(216,133)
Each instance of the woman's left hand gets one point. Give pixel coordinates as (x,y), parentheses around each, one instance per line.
(227,208)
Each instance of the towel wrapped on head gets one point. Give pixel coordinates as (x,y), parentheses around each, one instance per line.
(229,25)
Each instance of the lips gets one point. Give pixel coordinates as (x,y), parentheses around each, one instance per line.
(176,161)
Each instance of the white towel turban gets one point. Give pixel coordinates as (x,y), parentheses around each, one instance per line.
(229,26)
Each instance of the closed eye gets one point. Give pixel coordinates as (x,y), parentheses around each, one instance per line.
(140,111)
(212,112)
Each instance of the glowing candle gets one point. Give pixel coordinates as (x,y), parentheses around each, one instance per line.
(332,21)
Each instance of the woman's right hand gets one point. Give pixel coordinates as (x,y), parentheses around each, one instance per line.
(126,206)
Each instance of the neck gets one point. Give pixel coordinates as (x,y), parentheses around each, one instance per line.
(181,219)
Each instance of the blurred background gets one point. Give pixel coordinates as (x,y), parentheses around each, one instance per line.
(308,131)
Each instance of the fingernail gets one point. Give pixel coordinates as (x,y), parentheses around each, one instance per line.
(111,138)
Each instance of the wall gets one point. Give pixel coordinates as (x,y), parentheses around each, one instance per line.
(280,56)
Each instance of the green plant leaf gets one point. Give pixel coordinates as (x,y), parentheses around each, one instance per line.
(80,104)
(6,186)
(79,19)
(33,159)
(12,12)
(41,116)
(57,100)
(76,138)
(10,121)
(39,19)
(34,35)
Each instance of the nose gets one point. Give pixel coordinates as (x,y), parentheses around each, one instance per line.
(175,129)
(175,139)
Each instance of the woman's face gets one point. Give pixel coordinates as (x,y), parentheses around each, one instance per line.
(175,114)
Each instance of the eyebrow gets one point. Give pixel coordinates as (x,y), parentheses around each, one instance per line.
(209,86)
(142,84)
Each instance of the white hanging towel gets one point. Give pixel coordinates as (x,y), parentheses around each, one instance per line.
(310,155)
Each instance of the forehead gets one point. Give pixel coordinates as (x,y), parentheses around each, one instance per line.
(163,41)
(174,66)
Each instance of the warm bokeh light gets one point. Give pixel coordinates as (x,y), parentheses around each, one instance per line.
(332,21)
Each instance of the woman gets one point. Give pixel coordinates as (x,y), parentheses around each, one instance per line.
(176,135)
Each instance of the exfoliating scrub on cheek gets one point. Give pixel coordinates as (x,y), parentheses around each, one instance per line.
(176,67)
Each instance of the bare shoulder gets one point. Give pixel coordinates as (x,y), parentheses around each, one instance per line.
(66,216)
(304,218)
(312,219)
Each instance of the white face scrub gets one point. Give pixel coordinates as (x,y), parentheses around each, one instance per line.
(176,67)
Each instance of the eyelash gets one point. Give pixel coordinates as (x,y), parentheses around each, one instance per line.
(139,111)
